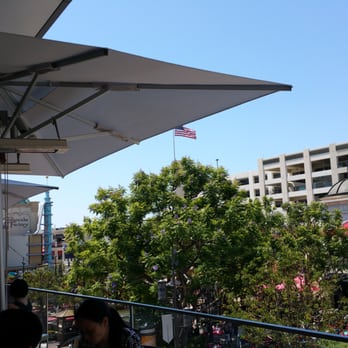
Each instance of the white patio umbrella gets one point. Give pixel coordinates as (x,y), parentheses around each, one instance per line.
(95,101)
(101,101)
(30,17)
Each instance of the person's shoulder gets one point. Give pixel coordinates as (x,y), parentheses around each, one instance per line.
(20,305)
(12,306)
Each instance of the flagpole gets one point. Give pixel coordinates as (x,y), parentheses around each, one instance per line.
(174,145)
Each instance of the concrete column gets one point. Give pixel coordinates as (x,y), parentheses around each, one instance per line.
(261,171)
(308,175)
(333,163)
(284,178)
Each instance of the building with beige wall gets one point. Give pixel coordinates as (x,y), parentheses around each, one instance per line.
(304,176)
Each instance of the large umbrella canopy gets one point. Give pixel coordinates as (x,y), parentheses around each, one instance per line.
(30,17)
(101,101)
(14,191)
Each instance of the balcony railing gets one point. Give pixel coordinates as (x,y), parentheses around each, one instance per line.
(188,328)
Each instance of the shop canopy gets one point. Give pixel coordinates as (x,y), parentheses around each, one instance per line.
(14,191)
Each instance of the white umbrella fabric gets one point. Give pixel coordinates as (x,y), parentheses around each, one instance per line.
(14,191)
(101,100)
(30,17)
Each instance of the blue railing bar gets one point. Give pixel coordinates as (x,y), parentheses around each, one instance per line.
(238,322)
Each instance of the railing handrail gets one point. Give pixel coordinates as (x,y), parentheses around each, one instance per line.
(236,321)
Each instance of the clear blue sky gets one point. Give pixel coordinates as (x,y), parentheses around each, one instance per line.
(302,43)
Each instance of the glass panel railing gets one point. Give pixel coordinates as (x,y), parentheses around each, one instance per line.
(161,326)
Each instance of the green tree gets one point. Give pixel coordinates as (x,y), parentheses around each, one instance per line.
(44,277)
(303,253)
(163,225)
(192,224)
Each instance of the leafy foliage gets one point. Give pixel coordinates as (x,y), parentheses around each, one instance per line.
(190,224)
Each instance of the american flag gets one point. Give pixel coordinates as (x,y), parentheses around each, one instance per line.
(185,132)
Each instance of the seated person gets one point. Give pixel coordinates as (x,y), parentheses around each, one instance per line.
(19,292)
(19,329)
(102,326)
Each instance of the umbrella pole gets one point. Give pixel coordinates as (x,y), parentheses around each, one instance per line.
(3,254)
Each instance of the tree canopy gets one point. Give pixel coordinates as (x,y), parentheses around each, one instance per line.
(215,249)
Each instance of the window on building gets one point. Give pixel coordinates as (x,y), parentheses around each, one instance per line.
(278,203)
(295,156)
(323,150)
(277,189)
(342,176)
(342,147)
(342,161)
(256,179)
(243,181)
(271,161)
(297,169)
(318,166)
(257,192)
(303,200)
(323,181)
(297,185)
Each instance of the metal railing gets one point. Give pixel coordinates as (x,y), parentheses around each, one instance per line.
(187,329)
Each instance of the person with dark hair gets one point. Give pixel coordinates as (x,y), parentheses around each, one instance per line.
(101,326)
(19,329)
(19,292)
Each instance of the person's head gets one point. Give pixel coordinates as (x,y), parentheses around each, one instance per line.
(19,288)
(19,328)
(94,318)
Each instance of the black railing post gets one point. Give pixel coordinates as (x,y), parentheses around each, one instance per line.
(131,316)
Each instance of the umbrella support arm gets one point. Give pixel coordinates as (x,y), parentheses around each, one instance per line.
(16,113)
(55,65)
(65,112)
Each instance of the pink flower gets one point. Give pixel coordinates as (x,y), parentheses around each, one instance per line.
(280,287)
